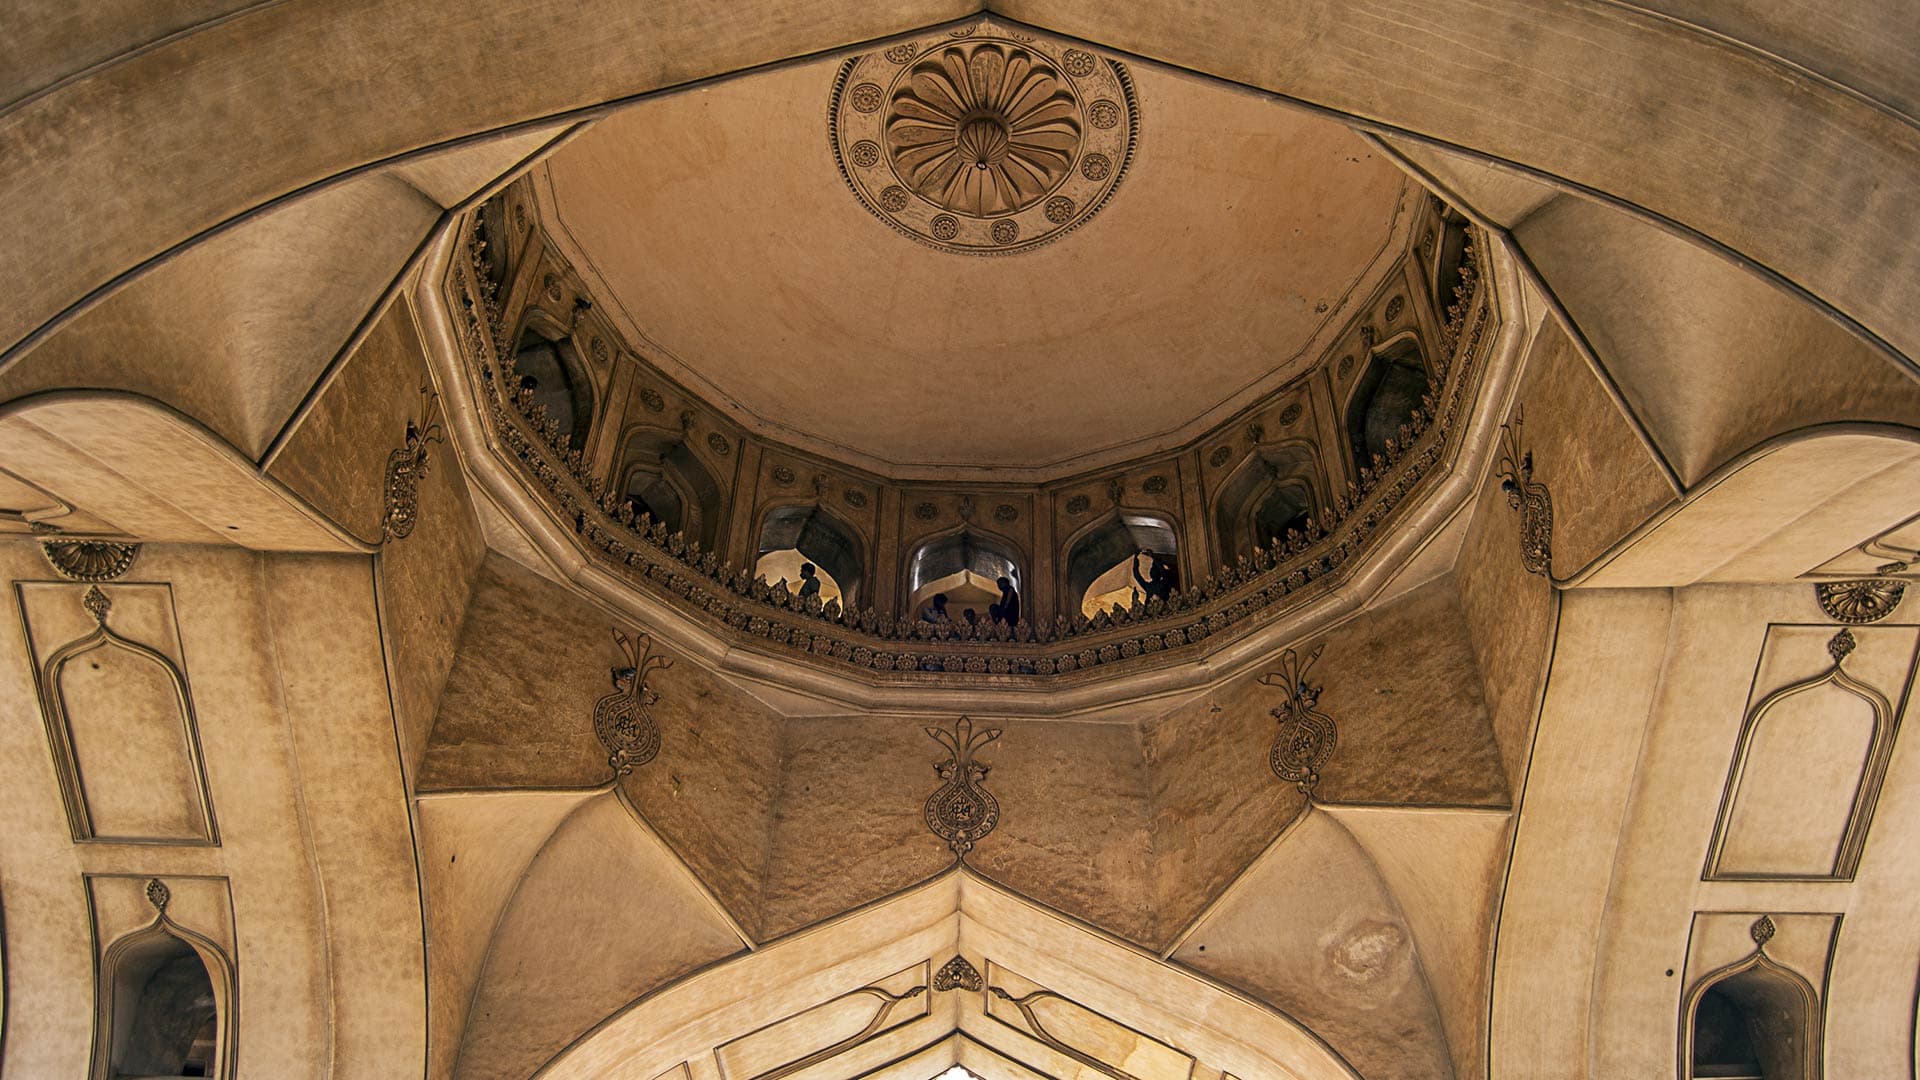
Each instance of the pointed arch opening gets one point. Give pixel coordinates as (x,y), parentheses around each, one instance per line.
(808,534)
(165,1007)
(966,567)
(661,477)
(1756,1020)
(1384,398)
(547,366)
(1127,556)
(1276,489)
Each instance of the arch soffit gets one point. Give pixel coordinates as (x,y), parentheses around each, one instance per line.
(1299,449)
(1379,349)
(954,913)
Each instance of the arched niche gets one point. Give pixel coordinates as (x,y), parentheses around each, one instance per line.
(966,565)
(1754,1020)
(165,999)
(125,740)
(667,480)
(1104,553)
(1276,489)
(822,539)
(1807,770)
(1385,397)
(545,361)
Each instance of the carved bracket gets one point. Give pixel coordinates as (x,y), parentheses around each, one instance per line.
(1866,600)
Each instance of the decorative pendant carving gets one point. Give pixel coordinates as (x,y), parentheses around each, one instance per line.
(1528,496)
(960,811)
(1762,931)
(988,142)
(158,895)
(405,467)
(957,974)
(623,720)
(89,560)
(1866,600)
(1307,736)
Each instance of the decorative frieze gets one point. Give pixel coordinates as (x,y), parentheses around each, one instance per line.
(671,566)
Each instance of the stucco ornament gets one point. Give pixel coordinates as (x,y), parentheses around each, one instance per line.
(90,560)
(987,142)
(623,720)
(1529,496)
(1307,736)
(405,468)
(1862,601)
(960,811)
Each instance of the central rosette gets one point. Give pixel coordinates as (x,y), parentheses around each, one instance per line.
(983,128)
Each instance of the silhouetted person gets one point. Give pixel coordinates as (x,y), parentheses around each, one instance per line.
(1009,602)
(938,612)
(1158,584)
(973,617)
(994,614)
(809,581)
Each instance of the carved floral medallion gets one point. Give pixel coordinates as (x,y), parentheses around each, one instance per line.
(1306,736)
(986,142)
(961,811)
(623,720)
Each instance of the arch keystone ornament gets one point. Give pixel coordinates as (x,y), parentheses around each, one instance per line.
(623,720)
(983,143)
(1307,736)
(957,974)
(960,811)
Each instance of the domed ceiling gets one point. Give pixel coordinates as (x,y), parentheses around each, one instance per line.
(985,249)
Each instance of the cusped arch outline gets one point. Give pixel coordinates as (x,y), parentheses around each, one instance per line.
(1808,1056)
(1866,795)
(221,973)
(53,708)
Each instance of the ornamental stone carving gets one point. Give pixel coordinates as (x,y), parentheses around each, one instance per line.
(1863,601)
(960,811)
(89,560)
(990,142)
(956,974)
(405,467)
(1307,736)
(1528,496)
(623,720)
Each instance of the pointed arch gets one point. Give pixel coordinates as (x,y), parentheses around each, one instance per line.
(1740,809)
(1108,546)
(1276,488)
(165,1002)
(544,352)
(823,538)
(656,469)
(1756,1019)
(968,554)
(1384,397)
